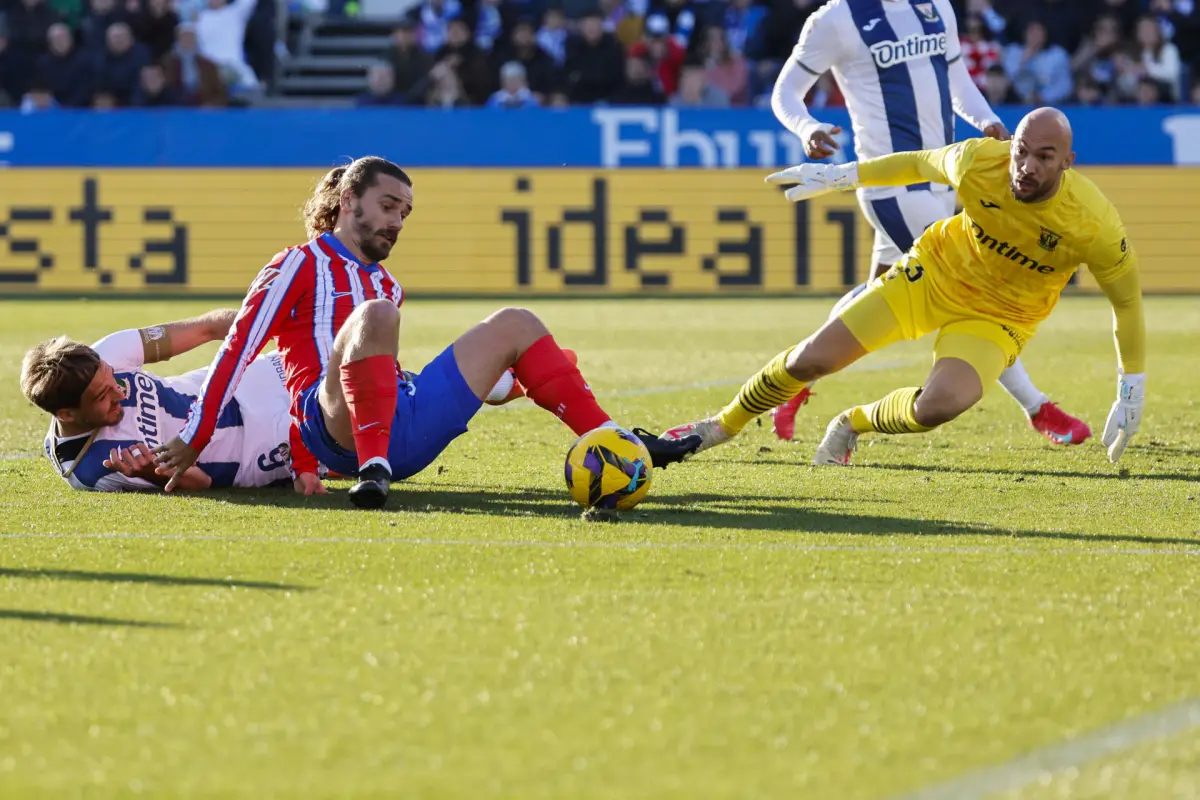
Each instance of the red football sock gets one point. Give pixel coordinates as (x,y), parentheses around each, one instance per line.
(555,384)
(370,388)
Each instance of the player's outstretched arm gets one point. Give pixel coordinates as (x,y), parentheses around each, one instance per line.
(162,342)
(1118,278)
(944,165)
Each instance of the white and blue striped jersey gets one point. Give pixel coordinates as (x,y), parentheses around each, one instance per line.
(249,448)
(892,60)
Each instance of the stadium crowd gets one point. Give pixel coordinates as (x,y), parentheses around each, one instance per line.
(522,53)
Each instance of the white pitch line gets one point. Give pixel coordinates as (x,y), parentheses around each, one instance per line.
(617,545)
(1031,767)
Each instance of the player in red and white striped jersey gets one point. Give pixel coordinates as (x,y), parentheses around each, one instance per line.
(333,311)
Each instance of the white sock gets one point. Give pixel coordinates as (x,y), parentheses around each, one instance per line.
(847,298)
(1016,382)
(376,460)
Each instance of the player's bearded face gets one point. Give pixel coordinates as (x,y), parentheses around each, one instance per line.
(1034,173)
(378,217)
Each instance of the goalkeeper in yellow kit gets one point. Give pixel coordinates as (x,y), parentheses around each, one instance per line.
(982,279)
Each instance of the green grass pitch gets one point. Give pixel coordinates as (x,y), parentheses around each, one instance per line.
(757,629)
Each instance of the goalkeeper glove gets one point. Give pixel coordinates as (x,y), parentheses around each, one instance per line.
(1126,414)
(814,180)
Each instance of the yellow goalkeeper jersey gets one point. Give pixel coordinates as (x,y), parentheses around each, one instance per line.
(1007,260)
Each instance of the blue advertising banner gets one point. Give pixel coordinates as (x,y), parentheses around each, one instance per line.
(578,137)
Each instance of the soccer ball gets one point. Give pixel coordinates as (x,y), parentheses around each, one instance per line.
(608,468)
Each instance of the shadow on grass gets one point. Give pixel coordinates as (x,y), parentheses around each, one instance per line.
(692,510)
(959,469)
(135,577)
(74,619)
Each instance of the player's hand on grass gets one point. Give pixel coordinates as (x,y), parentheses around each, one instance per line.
(1126,414)
(814,180)
(996,130)
(820,143)
(135,461)
(174,458)
(307,483)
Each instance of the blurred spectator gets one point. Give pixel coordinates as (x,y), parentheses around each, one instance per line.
(434,18)
(68,11)
(1150,92)
(104,100)
(542,74)
(725,69)
(410,62)
(552,36)
(1063,20)
(638,88)
(14,69)
(992,19)
(979,51)
(28,22)
(622,21)
(694,90)
(488,24)
(661,51)
(194,77)
(1088,92)
(220,34)
(998,88)
(1096,57)
(559,100)
(1181,24)
(381,88)
(38,98)
(680,18)
(468,63)
(445,87)
(101,15)
(514,91)
(1196,94)
(154,25)
(121,67)
(781,28)
(1130,72)
(1041,72)
(65,70)
(153,91)
(825,93)
(1124,10)
(594,62)
(1160,58)
(743,22)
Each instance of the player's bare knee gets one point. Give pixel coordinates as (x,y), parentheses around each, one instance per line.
(934,408)
(376,317)
(807,363)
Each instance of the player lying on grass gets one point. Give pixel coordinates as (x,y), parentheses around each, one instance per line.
(983,279)
(334,311)
(900,97)
(108,413)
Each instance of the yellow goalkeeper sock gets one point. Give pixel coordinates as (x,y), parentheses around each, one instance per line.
(771,387)
(892,414)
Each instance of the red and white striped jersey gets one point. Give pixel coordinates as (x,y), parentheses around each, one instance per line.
(301,299)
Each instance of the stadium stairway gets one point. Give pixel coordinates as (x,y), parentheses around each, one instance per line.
(326,60)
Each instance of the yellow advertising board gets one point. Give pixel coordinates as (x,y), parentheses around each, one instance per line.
(501,231)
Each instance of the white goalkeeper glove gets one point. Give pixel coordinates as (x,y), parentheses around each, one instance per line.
(814,180)
(1126,414)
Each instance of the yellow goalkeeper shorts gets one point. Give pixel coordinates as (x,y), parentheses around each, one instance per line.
(904,303)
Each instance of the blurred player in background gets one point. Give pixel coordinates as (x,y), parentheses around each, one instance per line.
(983,279)
(108,413)
(335,313)
(899,66)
